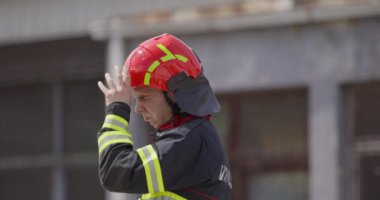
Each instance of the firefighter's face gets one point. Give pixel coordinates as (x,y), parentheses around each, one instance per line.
(152,105)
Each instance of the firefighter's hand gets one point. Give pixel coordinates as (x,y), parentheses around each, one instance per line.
(119,91)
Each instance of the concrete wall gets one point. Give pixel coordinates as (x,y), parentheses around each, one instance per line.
(290,56)
(31,20)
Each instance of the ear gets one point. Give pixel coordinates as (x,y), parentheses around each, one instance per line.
(172,96)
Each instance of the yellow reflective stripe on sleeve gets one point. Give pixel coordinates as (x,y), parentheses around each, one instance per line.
(111,133)
(169,55)
(118,118)
(115,122)
(115,141)
(162,196)
(152,169)
(113,137)
(113,126)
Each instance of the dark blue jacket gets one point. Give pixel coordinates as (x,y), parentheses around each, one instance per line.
(187,162)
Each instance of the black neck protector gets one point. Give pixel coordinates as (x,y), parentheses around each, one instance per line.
(176,110)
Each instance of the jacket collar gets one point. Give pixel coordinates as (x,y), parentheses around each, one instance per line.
(180,119)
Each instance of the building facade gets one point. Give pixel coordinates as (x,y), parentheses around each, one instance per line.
(299,84)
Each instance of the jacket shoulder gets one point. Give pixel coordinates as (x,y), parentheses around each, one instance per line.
(181,130)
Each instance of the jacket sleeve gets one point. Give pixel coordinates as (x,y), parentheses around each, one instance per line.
(120,168)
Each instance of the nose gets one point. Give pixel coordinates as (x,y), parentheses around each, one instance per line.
(138,107)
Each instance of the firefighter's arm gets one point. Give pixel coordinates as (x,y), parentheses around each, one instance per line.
(119,166)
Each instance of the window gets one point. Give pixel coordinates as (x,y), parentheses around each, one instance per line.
(363,128)
(83,183)
(26,147)
(370,177)
(33,184)
(267,143)
(26,120)
(49,119)
(83,115)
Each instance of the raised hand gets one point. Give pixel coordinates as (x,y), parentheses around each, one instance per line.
(119,90)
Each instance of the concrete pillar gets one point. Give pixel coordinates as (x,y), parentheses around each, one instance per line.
(116,55)
(324,100)
(58,174)
(115,52)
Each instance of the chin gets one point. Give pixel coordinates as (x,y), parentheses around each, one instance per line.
(154,126)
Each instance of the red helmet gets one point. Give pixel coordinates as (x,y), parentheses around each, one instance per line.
(158,59)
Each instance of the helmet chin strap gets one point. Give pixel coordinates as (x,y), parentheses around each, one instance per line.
(174,106)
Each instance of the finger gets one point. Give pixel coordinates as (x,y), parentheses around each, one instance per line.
(119,78)
(102,87)
(125,76)
(109,80)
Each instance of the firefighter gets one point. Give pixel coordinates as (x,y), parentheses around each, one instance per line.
(186,159)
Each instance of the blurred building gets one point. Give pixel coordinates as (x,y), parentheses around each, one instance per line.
(299,82)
